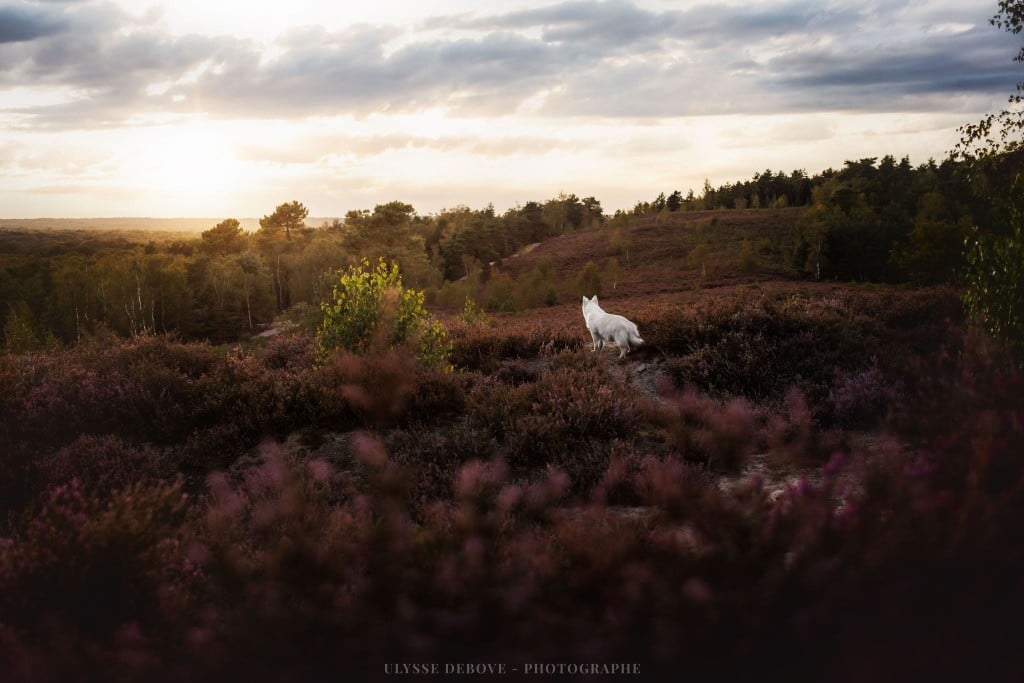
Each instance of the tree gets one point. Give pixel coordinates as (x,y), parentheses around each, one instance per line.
(564,213)
(995,290)
(19,330)
(690,203)
(251,267)
(933,249)
(223,239)
(993,151)
(658,205)
(287,218)
(384,231)
(275,240)
(589,281)
(593,214)
(393,231)
(674,201)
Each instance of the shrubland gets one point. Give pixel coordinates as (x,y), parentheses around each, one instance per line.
(822,476)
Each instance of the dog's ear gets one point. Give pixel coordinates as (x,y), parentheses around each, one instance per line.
(584,299)
(594,299)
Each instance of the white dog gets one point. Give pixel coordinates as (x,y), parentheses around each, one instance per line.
(608,327)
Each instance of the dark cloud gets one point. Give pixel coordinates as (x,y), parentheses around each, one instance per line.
(605,59)
(20,23)
(966,63)
(614,23)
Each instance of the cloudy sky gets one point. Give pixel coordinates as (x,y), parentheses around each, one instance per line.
(227,108)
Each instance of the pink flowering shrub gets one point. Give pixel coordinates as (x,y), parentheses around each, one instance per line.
(177,512)
(861,398)
(702,429)
(565,418)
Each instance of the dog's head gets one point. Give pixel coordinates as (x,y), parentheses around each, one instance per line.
(592,301)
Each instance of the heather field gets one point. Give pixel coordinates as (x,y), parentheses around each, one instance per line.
(792,478)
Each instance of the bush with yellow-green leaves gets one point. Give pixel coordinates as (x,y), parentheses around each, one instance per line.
(370,309)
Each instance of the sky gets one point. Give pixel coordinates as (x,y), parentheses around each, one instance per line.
(224,108)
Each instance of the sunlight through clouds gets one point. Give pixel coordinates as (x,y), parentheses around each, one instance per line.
(221,108)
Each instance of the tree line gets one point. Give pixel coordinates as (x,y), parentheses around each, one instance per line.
(872,220)
(230,282)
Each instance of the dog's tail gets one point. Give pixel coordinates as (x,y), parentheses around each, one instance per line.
(635,340)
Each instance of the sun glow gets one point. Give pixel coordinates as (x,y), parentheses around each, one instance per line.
(193,159)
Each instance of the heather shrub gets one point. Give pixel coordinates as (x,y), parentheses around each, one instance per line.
(493,405)
(84,567)
(484,348)
(585,402)
(790,430)
(561,419)
(676,489)
(164,392)
(433,455)
(64,398)
(102,464)
(290,352)
(439,396)
(952,395)
(516,372)
(375,387)
(384,388)
(299,567)
(860,399)
(701,429)
(545,511)
(759,351)
(289,568)
(617,484)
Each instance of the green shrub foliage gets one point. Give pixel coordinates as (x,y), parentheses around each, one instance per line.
(995,284)
(370,308)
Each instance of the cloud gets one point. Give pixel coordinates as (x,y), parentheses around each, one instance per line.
(316,148)
(965,63)
(20,23)
(589,59)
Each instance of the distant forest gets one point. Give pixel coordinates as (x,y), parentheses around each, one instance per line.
(881,221)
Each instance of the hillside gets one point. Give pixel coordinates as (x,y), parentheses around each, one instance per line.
(680,268)
(788,471)
(671,252)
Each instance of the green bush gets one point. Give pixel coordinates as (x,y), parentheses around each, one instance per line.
(589,281)
(995,293)
(370,309)
(472,313)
